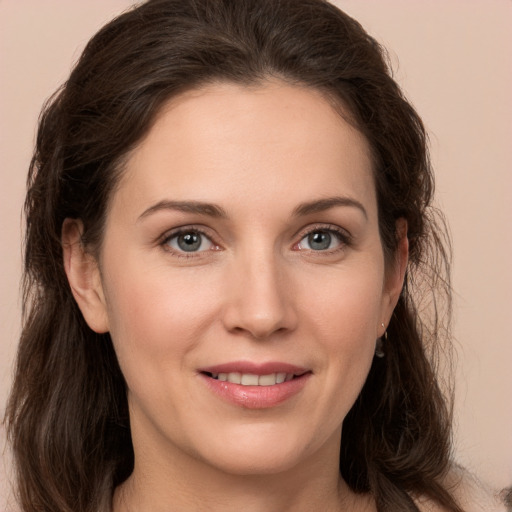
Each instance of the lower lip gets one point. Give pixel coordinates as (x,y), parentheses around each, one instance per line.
(256,397)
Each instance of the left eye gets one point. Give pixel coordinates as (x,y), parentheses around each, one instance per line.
(189,241)
(320,240)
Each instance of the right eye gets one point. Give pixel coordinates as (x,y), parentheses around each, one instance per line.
(189,241)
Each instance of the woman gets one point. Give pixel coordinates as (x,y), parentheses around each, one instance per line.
(227,225)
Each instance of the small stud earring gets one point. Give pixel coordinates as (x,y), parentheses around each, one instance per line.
(379,345)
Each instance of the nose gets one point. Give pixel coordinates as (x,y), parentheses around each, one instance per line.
(259,298)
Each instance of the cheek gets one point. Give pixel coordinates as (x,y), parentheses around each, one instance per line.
(156,314)
(345,320)
(348,305)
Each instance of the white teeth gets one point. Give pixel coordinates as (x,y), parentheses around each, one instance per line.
(267,380)
(249,379)
(234,377)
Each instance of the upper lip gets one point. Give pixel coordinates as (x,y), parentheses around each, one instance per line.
(252,368)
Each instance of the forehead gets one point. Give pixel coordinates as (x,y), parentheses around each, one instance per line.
(227,142)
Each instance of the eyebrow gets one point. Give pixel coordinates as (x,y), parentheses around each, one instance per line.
(322,205)
(208,209)
(212,210)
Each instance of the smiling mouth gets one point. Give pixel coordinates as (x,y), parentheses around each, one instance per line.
(255,386)
(250,379)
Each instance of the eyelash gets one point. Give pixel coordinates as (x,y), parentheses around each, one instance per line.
(344,238)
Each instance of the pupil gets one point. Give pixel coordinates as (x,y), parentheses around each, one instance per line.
(319,240)
(189,242)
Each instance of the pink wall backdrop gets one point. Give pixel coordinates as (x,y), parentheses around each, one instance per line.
(454,60)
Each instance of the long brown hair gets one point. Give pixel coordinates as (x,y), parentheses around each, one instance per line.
(67,416)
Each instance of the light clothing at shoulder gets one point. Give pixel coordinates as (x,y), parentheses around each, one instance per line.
(472,494)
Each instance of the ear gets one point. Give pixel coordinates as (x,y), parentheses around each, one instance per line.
(395,274)
(84,276)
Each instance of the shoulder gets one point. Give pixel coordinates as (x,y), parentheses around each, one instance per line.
(472,494)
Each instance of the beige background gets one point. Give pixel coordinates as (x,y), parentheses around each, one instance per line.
(454,60)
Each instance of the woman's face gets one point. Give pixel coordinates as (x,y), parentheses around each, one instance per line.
(242,249)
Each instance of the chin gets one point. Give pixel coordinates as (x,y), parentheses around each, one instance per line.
(257,450)
(257,463)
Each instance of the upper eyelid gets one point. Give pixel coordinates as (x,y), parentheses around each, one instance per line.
(171,233)
(324,227)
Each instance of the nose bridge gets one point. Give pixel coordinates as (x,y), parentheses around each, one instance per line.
(258,300)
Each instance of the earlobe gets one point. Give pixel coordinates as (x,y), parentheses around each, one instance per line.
(84,276)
